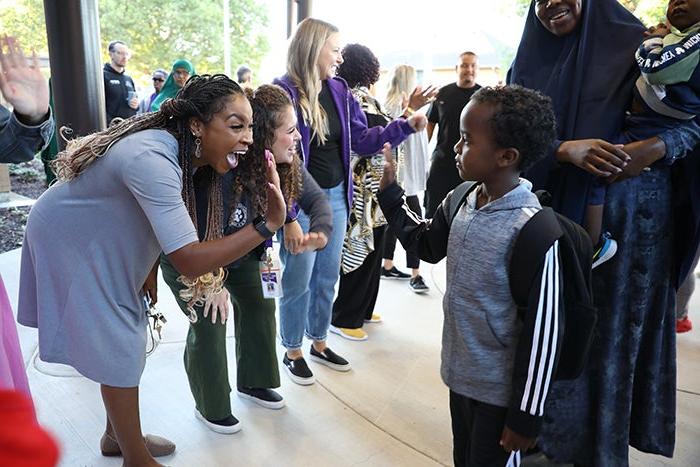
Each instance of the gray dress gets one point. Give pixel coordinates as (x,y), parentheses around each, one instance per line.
(88,248)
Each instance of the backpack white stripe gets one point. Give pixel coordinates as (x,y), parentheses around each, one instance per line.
(535,337)
(555,329)
(514,459)
(544,350)
(544,341)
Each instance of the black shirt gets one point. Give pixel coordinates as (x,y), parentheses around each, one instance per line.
(445,112)
(117,88)
(326,161)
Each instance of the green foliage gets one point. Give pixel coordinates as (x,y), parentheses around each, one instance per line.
(157,33)
(24,19)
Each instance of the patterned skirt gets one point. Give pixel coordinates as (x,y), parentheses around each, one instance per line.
(627,395)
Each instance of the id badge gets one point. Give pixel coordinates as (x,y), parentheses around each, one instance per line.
(271,275)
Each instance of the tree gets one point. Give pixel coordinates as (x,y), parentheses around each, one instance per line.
(157,33)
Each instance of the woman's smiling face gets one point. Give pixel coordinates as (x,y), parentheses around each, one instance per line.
(560,17)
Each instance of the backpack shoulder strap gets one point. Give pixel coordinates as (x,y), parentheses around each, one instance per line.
(458,197)
(535,238)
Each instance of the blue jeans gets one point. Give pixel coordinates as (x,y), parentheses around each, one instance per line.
(308,279)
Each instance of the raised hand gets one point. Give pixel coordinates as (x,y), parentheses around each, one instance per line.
(276,207)
(389,173)
(22,83)
(420,97)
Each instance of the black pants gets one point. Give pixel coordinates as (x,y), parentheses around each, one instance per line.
(476,432)
(358,290)
(412,259)
(443,177)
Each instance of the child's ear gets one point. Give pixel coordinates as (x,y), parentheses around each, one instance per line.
(509,157)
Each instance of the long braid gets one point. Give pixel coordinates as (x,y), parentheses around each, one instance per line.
(201,97)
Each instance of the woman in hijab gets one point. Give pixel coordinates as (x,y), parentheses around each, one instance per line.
(181,72)
(581,54)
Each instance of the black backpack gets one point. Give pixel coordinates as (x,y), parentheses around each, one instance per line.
(576,250)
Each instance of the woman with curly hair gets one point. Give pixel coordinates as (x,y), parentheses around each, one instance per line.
(131,187)
(363,247)
(330,123)
(257,373)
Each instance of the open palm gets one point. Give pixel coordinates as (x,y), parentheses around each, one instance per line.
(22,83)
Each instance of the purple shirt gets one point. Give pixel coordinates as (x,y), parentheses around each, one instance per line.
(354,130)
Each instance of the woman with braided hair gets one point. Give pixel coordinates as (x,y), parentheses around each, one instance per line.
(92,240)
(257,372)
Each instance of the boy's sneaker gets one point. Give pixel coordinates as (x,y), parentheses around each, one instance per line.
(605,250)
(226,426)
(394,273)
(265,397)
(418,285)
(376,318)
(298,370)
(683,325)
(330,359)
(357,334)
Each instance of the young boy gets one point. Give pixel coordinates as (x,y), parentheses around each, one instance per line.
(497,361)
(666,97)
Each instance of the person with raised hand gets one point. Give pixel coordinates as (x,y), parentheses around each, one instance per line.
(131,186)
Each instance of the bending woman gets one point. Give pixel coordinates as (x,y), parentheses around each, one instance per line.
(131,187)
(257,370)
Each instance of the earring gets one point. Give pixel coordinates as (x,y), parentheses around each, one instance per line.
(198,147)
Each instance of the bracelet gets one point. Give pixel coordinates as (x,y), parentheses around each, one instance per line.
(410,110)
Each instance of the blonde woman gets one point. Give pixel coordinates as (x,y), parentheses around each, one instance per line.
(330,123)
(413,167)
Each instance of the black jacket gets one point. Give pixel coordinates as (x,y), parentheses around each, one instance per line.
(117,87)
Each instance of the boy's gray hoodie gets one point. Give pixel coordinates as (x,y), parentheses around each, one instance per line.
(492,351)
(481,321)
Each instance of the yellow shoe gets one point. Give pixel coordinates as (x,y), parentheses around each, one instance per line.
(376,318)
(350,334)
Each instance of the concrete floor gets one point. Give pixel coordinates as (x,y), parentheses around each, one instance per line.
(390,410)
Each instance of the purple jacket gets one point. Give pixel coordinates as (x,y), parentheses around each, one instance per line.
(353,124)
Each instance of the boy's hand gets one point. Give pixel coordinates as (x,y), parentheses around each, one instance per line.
(660,30)
(511,441)
(389,174)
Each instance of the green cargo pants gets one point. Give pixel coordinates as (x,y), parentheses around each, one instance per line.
(205,351)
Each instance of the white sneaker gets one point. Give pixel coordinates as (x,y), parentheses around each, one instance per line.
(225,428)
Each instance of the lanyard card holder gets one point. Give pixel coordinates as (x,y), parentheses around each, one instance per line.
(271,275)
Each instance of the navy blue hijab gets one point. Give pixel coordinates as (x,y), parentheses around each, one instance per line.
(589,75)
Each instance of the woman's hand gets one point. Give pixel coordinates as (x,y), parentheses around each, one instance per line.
(512,441)
(595,156)
(644,153)
(218,305)
(293,237)
(314,241)
(150,286)
(420,97)
(389,173)
(276,207)
(418,122)
(22,83)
